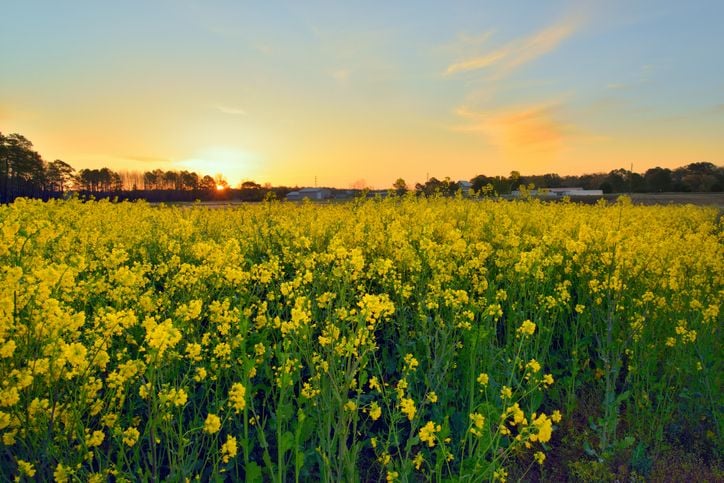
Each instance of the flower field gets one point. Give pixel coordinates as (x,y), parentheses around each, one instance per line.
(404,339)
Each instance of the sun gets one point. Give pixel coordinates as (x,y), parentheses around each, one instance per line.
(220,187)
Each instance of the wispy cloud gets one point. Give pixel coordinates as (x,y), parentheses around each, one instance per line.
(475,63)
(518,52)
(642,77)
(465,45)
(234,111)
(530,129)
(616,86)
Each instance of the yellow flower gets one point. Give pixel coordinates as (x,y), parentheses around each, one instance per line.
(350,406)
(545,428)
(539,457)
(259,349)
(212,424)
(374,384)
(9,397)
(432,397)
(483,379)
(222,350)
(427,433)
(109,420)
(26,468)
(418,460)
(75,354)
(309,391)
(193,352)
(478,420)
(506,393)
(180,398)
(4,420)
(548,379)
(392,475)
(95,439)
(375,411)
(500,475)
(237,397)
(228,449)
(517,413)
(556,416)
(130,436)
(526,328)
(7,349)
(400,388)
(200,374)
(407,406)
(174,397)
(61,473)
(9,437)
(533,365)
(163,336)
(410,362)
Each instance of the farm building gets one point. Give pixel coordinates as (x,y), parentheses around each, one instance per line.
(310,193)
(559,192)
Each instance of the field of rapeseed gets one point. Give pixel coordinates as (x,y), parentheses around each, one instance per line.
(400,339)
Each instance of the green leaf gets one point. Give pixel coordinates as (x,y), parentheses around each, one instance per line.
(253,472)
(622,397)
(362,378)
(305,430)
(300,459)
(287,442)
(627,442)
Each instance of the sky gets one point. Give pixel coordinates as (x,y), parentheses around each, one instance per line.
(363,93)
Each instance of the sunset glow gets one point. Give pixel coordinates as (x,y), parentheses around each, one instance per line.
(294,93)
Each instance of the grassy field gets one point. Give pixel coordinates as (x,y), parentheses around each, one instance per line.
(404,339)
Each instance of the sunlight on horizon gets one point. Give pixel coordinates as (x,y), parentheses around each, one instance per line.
(235,165)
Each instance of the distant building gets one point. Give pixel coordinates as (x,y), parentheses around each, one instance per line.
(310,193)
(559,192)
(466,187)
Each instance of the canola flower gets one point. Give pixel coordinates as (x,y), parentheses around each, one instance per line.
(212,424)
(229,449)
(407,406)
(237,397)
(428,433)
(135,337)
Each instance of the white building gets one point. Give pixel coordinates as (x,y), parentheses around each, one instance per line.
(310,193)
(577,191)
(559,192)
(465,186)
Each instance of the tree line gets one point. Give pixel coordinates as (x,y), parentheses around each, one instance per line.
(23,172)
(701,177)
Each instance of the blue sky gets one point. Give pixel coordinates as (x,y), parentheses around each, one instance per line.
(286,91)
